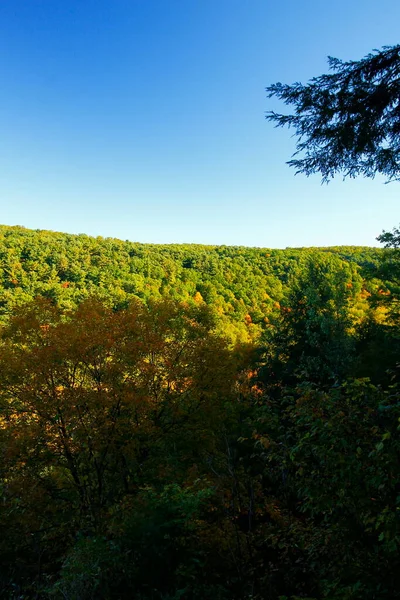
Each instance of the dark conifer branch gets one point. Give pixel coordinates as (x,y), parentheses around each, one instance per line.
(347,121)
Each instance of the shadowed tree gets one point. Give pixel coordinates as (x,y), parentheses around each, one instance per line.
(347,121)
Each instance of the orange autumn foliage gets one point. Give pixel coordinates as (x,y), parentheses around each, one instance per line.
(87,392)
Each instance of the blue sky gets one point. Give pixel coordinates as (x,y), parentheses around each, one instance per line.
(144,119)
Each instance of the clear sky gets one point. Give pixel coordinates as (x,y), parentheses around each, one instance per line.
(144,119)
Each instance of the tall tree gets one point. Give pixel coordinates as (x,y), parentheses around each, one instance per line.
(312,340)
(347,121)
(96,403)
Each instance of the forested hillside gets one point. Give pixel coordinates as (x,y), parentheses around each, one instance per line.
(192,422)
(244,287)
(188,421)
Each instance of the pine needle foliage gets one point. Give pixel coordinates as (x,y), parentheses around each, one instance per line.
(346,121)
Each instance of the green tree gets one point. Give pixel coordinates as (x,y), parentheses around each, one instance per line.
(347,121)
(389,271)
(391,239)
(313,338)
(94,405)
(331,461)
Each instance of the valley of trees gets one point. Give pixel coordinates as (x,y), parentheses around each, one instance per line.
(194,422)
(209,422)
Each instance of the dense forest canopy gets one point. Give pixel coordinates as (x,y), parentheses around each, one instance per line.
(182,421)
(243,286)
(191,422)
